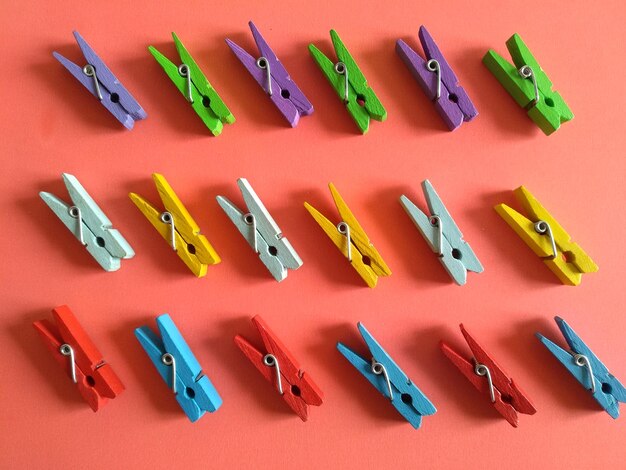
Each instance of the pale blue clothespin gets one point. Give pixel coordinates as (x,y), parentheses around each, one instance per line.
(585,366)
(384,374)
(89,225)
(179,368)
(442,235)
(261,232)
(101,83)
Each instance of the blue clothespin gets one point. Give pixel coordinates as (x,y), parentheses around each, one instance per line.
(101,83)
(442,235)
(390,380)
(179,368)
(89,225)
(584,365)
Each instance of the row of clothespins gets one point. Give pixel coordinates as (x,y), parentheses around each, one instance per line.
(524,80)
(169,353)
(541,232)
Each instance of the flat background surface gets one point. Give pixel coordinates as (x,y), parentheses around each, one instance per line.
(51,125)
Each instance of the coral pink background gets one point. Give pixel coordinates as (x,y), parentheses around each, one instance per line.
(51,125)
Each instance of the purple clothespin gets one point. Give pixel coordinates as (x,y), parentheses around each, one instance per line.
(100,81)
(273,78)
(438,81)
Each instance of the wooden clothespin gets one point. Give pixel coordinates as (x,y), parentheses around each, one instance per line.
(585,366)
(529,86)
(547,238)
(391,381)
(489,379)
(352,241)
(195,87)
(98,79)
(350,84)
(438,80)
(261,232)
(74,351)
(90,225)
(442,235)
(178,228)
(281,369)
(179,368)
(273,78)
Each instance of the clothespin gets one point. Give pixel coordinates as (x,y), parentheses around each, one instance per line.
(178,228)
(391,381)
(101,83)
(90,225)
(195,87)
(272,76)
(261,232)
(281,369)
(585,366)
(74,351)
(529,86)
(350,84)
(352,241)
(547,238)
(489,379)
(179,368)
(438,80)
(442,235)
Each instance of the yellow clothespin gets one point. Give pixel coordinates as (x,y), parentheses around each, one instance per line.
(178,228)
(545,236)
(352,241)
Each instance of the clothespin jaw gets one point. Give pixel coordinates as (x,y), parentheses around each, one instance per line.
(89,224)
(281,369)
(587,369)
(178,228)
(195,87)
(438,81)
(98,79)
(443,235)
(490,379)
(385,375)
(350,84)
(179,368)
(76,353)
(547,238)
(261,232)
(350,238)
(529,86)
(273,78)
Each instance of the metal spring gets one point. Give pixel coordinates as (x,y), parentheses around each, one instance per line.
(379,369)
(542,227)
(168,218)
(483,371)
(583,361)
(436,221)
(341,69)
(183,70)
(250,219)
(90,71)
(433,66)
(67,350)
(344,229)
(169,360)
(526,72)
(264,64)
(74,212)
(271,361)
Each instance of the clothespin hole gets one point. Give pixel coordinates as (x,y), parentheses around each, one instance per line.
(115,98)
(406,399)
(295,390)
(249,219)
(262,63)
(273,250)
(285,93)
(206,101)
(568,256)
(454,98)
(456,253)
(191,249)
(90,381)
(507,398)
(189,392)
(606,388)
(367,261)
(550,102)
(100,242)
(360,99)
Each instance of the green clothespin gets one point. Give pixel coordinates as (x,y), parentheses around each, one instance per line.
(527,83)
(350,84)
(194,86)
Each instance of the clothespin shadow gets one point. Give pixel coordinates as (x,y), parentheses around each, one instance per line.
(357,388)
(549,374)
(25,339)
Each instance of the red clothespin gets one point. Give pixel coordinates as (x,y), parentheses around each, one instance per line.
(78,355)
(489,379)
(281,369)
